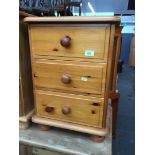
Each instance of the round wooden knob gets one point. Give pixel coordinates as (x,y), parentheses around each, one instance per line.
(66,78)
(49,109)
(65,41)
(66,110)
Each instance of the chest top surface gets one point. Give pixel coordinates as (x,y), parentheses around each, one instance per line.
(74,19)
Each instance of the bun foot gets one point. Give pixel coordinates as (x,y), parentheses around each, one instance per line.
(97,139)
(44,127)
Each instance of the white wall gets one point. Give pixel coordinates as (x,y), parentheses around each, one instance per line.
(116,6)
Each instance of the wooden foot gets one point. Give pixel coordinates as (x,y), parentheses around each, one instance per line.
(70,126)
(44,127)
(97,139)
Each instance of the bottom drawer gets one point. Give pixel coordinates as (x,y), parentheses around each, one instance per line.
(71,108)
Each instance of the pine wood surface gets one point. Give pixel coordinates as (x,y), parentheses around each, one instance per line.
(86,77)
(45,41)
(26,102)
(83,110)
(74,19)
(116,56)
(109,71)
(47,69)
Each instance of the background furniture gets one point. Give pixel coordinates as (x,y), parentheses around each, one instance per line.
(36,7)
(128,32)
(26,103)
(59,7)
(63,7)
(114,103)
(75,3)
(132,53)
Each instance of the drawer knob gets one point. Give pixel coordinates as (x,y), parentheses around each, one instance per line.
(49,109)
(65,41)
(66,78)
(66,110)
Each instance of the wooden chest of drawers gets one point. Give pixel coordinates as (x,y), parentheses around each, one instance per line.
(73,70)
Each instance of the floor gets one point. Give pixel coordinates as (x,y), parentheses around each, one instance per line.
(124,143)
(58,141)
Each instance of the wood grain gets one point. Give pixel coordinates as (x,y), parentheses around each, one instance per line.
(75,19)
(82,109)
(45,41)
(48,57)
(25,89)
(109,71)
(50,61)
(116,56)
(86,77)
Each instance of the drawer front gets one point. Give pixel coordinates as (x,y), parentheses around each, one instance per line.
(80,42)
(70,108)
(71,76)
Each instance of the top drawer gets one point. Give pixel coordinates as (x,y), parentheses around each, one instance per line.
(70,41)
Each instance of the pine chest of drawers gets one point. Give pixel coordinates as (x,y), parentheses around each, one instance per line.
(73,70)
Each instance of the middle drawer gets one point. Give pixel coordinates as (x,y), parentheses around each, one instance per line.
(82,77)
